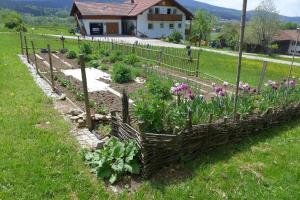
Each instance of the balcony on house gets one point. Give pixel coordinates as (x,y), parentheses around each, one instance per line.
(164,17)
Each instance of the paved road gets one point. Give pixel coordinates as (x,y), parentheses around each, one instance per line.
(159,43)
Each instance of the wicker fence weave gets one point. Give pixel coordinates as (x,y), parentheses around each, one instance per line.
(159,150)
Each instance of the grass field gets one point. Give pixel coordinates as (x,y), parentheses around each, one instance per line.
(44,163)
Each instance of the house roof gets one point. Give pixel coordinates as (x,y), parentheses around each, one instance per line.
(120,9)
(286,35)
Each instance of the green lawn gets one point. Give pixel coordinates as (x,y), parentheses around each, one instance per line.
(44,163)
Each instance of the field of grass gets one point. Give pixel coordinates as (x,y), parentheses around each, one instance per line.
(44,163)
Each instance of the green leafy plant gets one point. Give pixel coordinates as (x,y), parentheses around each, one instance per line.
(102,110)
(79,96)
(175,37)
(104,67)
(116,56)
(94,63)
(131,59)
(158,87)
(115,160)
(121,73)
(86,49)
(63,51)
(71,55)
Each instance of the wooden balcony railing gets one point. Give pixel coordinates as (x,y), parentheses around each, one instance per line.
(164,17)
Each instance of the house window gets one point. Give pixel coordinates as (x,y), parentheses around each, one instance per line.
(171,26)
(169,11)
(175,11)
(162,25)
(150,11)
(179,25)
(156,10)
(150,26)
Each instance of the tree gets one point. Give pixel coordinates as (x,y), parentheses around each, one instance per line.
(230,35)
(11,19)
(264,24)
(289,26)
(202,24)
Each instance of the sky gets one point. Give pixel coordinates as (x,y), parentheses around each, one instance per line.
(285,7)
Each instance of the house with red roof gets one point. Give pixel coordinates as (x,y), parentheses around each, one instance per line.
(142,18)
(287,40)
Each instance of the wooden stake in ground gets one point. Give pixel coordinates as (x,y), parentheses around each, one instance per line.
(198,63)
(238,75)
(51,68)
(21,42)
(86,94)
(35,60)
(125,107)
(26,48)
(262,76)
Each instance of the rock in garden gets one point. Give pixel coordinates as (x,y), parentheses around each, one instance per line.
(62,97)
(99,117)
(82,115)
(75,112)
(74,118)
(81,123)
(102,142)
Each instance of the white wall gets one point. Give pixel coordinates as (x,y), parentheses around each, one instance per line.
(292,47)
(157,32)
(87,22)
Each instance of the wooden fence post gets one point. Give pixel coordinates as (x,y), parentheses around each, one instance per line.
(86,94)
(35,60)
(125,107)
(26,48)
(262,76)
(160,55)
(51,68)
(78,41)
(198,63)
(190,120)
(21,42)
(62,42)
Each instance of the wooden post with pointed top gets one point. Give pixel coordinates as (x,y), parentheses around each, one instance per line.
(35,59)
(239,65)
(21,42)
(26,48)
(86,94)
(51,68)
(125,107)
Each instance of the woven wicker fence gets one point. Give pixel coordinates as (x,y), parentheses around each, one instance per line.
(159,150)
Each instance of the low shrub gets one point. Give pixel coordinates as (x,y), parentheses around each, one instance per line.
(121,73)
(175,37)
(105,52)
(115,160)
(159,87)
(94,63)
(71,55)
(104,67)
(63,51)
(102,110)
(116,56)
(131,59)
(86,48)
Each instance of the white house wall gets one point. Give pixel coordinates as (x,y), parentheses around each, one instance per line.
(157,32)
(292,48)
(86,23)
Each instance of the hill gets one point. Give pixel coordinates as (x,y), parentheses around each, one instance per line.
(42,7)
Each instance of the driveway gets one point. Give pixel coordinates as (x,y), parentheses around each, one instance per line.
(160,43)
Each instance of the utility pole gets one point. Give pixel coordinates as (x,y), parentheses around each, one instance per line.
(242,34)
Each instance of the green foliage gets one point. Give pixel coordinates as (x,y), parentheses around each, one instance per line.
(289,26)
(131,59)
(203,23)
(116,56)
(20,28)
(63,51)
(121,73)
(104,67)
(175,36)
(115,160)
(71,55)
(159,87)
(94,63)
(102,110)
(230,35)
(11,19)
(104,129)
(86,48)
